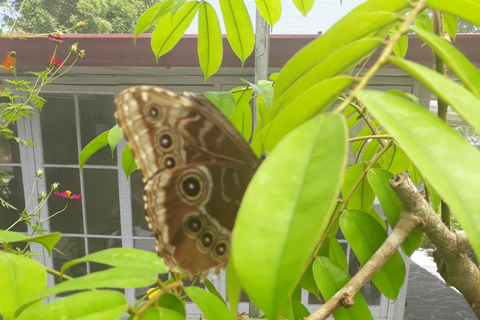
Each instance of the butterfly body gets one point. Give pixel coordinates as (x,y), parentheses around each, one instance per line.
(196,167)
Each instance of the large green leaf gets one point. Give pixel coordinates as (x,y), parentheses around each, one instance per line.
(459,98)
(242,116)
(365,235)
(114,136)
(128,163)
(330,278)
(169,32)
(304,6)
(465,9)
(211,306)
(93,146)
(123,257)
(121,277)
(46,240)
(392,207)
(331,64)
(443,157)
(210,42)
(450,24)
(150,17)
(224,101)
(283,225)
(239,27)
(295,310)
(21,280)
(369,18)
(458,63)
(305,106)
(94,305)
(161,314)
(271,10)
(363,196)
(395,160)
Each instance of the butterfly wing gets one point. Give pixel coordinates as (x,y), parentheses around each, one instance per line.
(196,167)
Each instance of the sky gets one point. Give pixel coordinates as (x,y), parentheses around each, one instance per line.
(322,16)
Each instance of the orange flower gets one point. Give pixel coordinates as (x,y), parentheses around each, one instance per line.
(9,62)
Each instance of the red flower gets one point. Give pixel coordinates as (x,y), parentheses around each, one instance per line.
(68,194)
(9,62)
(56,37)
(56,61)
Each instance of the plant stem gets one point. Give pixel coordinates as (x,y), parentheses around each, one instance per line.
(373,136)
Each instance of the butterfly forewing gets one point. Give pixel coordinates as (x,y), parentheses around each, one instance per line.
(196,167)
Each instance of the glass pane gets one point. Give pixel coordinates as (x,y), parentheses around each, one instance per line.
(101,201)
(12,192)
(99,244)
(72,248)
(9,149)
(96,117)
(369,291)
(69,221)
(140,226)
(59,134)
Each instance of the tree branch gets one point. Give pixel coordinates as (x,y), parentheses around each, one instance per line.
(452,261)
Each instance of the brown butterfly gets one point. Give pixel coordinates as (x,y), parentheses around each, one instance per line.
(196,167)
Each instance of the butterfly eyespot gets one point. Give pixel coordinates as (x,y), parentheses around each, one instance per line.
(154,112)
(207,239)
(191,186)
(169,162)
(166,141)
(221,249)
(194,225)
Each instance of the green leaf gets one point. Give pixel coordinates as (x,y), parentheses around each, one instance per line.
(211,288)
(294,309)
(303,6)
(46,240)
(114,136)
(224,101)
(449,162)
(392,207)
(401,47)
(239,27)
(464,9)
(330,278)
(306,106)
(122,257)
(208,303)
(414,174)
(92,147)
(423,21)
(21,280)
(271,10)
(242,116)
(307,281)
(150,17)
(177,5)
(128,163)
(161,314)
(172,302)
(337,254)
(405,95)
(265,91)
(210,42)
(395,160)
(370,150)
(234,289)
(377,217)
(435,198)
(284,225)
(94,305)
(458,63)
(120,277)
(169,32)
(365,235)
(336,50)
(459,98)
(450,24)
(363,196)
(317,66)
